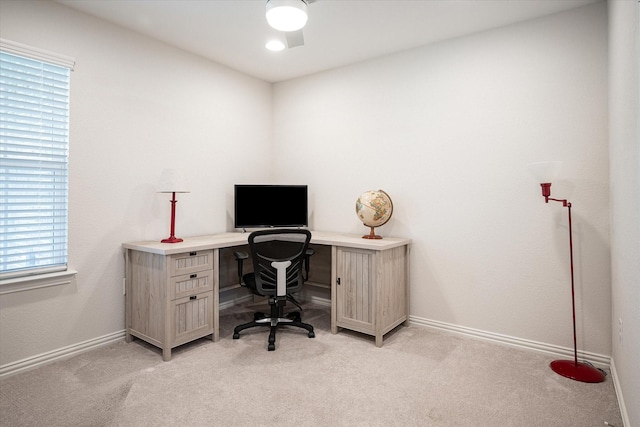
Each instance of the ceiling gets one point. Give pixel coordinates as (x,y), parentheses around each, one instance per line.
(338,33)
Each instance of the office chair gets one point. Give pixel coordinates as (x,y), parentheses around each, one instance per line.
(279,258)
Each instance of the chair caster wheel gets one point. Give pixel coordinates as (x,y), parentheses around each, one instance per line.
(271,347)
(236,336)
(312,334)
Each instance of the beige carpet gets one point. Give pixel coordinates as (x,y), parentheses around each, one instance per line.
(418,378)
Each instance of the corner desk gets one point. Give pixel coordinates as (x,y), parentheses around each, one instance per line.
(172,289)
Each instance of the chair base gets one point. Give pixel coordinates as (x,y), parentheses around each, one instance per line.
(274,321)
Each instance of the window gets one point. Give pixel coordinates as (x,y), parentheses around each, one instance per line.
(34,143)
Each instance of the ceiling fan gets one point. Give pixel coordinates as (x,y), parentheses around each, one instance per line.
(288,16)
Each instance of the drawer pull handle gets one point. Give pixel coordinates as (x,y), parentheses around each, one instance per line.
(193,276)
(193,253)
(193,297)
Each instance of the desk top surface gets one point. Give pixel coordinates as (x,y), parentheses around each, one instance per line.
(226,240)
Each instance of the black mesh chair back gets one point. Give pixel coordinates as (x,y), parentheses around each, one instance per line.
(268,246)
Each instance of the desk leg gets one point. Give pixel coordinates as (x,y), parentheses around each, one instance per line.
(334,279)
(127,296)
(216,296)
(166,353)
(379,338)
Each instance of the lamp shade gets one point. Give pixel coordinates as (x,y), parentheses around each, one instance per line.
(545,172)
(172,181)
(287,15)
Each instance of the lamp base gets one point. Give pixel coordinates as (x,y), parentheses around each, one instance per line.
(171,239)
(577,371)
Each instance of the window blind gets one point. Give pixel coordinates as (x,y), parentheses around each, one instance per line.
(34,142)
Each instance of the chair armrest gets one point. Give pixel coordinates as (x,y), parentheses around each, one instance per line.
(240,257)
(308,254)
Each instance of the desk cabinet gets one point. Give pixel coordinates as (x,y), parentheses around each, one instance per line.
(173,299)
(370,290)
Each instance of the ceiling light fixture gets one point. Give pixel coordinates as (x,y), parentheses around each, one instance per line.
(287,15)
(275,45)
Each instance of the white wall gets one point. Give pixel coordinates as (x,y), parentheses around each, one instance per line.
(624,137)
(137,106)
(448,131)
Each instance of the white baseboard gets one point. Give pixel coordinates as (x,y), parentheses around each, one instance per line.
(555,350)
(621,404)
(318,300)
(247,298)
(61,353)
(235,301)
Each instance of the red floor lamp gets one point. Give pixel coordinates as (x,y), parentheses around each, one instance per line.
(546,172)
(172,181)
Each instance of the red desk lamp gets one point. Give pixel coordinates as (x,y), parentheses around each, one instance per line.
(546,172)
(171,181)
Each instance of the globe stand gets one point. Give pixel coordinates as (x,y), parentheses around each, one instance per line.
(372,235)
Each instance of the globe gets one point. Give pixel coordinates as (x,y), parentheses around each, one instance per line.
(374,208)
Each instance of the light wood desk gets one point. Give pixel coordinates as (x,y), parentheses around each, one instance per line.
(172,289)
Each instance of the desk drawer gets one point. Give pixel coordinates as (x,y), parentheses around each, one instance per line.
(190,284)
(191,318)
(190,262)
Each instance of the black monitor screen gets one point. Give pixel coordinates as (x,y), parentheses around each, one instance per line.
(270,206)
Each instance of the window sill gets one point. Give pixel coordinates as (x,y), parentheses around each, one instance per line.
(19,284)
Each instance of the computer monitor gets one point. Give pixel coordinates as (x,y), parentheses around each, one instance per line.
(259,205)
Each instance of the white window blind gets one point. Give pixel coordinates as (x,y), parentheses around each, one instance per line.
(34,142)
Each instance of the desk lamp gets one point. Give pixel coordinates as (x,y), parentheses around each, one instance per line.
(171,181)
(546,172)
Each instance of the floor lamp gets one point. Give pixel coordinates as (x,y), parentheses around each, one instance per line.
(171,181)
(546,172)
